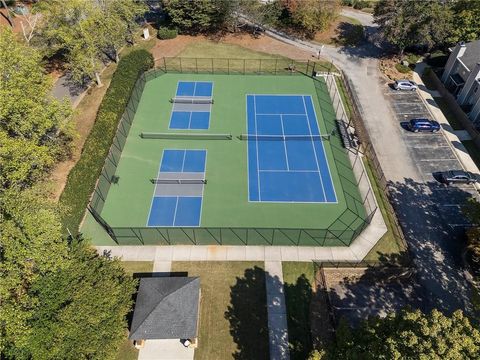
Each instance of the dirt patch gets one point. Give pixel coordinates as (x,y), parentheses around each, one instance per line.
(172,47)
(387,67)
(85,115)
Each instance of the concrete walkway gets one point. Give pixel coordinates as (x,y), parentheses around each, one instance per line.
(277,311)
(165,349)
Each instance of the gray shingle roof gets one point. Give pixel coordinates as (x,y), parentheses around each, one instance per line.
(166,308)
(472,54)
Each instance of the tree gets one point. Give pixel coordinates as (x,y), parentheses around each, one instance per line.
(406,23)
(35,128)
(310,16)
(198,16)
(84,31)
(31,247)
(466,20)
(58,301)
(410,335)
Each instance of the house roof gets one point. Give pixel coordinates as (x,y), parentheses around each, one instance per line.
(472,54)
(166,308)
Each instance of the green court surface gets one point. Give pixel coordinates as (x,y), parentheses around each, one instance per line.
(225,197)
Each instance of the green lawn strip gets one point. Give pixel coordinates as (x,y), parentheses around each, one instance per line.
(448,113)
(127,351)
(221,52)
(233,313)
(82,178)
(473,151)
(390,243)
(343,94)
(299,280)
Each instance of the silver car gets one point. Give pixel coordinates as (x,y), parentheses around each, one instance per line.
(405,85)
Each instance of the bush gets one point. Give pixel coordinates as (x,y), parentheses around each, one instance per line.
(360,4)
(165,33)
(412,58)
(81,180)
(437,59)
(402,68)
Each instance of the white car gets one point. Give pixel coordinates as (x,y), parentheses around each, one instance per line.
(405,85)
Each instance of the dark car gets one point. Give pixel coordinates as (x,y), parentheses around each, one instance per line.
(417,125)
(458,177)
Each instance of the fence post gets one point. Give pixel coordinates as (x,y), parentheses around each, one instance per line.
(244,60)
(165,63)
(260,67)
(213,72)
(228,66)
(196,65)
(276,64)
(181,65)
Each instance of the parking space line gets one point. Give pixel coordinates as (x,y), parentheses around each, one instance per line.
(433,160)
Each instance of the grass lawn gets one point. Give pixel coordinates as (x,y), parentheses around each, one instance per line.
(126,350)
(389,244)
(473,151)
(442,104)
(299,280)
(233,313)
(210,49)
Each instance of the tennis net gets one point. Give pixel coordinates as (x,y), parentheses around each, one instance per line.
(180,100)
(176,136)
(284,137)
(178,181)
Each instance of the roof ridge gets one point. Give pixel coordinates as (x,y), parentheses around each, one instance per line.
(191,279)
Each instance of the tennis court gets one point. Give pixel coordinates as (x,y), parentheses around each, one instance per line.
(177,198)
(274,174)
(192,105)
(286,157)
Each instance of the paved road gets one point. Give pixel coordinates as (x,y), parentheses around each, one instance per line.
(433,244)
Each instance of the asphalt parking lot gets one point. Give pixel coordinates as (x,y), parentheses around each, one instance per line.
(431,153)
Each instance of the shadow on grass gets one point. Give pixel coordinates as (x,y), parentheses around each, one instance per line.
(298,300)
(247,314)
(348,34)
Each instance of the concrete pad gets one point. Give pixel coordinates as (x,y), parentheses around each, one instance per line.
(163,267)
(273,253)
(165,349)
(164,253)
(236,253)
(255,253)
(323,254)
(181,253)
(289,253)
(306,253)
(198,253)
(216,253)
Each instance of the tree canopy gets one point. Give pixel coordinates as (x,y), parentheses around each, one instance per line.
(35,128)
(410,335)
(85,31)
(427,24)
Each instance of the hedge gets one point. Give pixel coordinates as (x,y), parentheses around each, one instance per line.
(82,178)
(165,33)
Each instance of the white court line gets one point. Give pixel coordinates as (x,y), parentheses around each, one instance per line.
(175,212)
(313,145)
(278,114)
(284,143)
(183,160)
(323,147)
(307,171)
(256,143)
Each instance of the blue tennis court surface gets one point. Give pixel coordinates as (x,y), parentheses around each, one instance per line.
(178,204)
(286,169)
(192,116)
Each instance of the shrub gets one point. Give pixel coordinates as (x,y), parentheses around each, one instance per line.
(360,4)
(437,59)
(81,180)
(412,58)
(402,68)
(165,33)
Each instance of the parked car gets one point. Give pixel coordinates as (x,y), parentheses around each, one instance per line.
(405,85)
(458,177)
(417,125)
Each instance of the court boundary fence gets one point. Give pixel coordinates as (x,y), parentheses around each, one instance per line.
(344,230)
